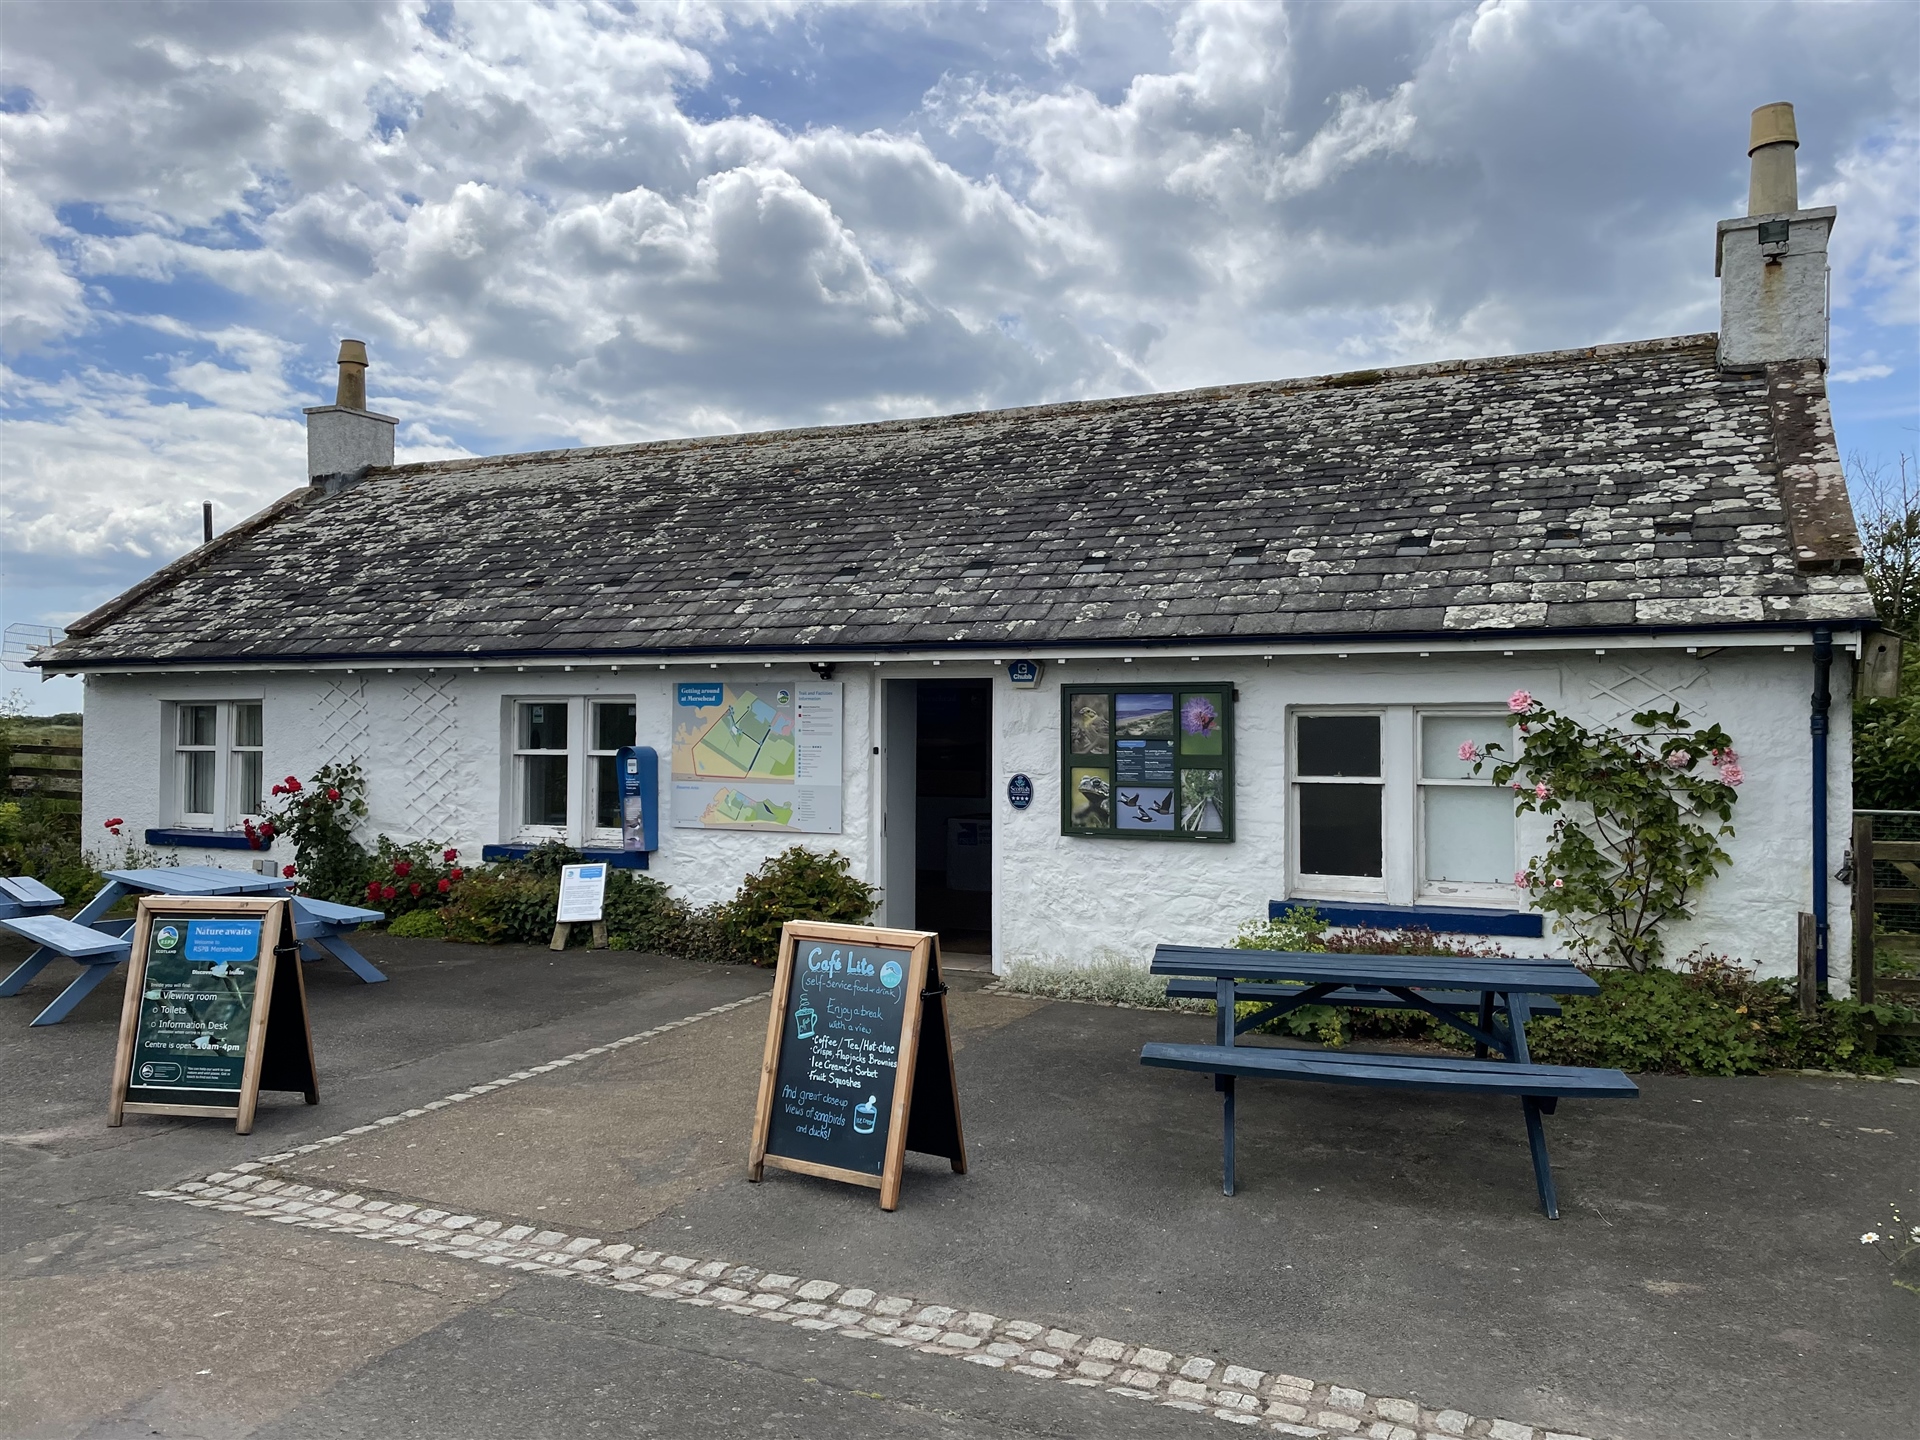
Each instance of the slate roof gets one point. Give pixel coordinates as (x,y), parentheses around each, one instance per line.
(1612,488)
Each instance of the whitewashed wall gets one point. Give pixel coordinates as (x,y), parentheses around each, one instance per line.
(1066,899)
(433,747)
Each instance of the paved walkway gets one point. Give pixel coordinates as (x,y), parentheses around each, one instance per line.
(575,1245)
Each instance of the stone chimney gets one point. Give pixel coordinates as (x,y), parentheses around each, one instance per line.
(345,439)
(1772,263)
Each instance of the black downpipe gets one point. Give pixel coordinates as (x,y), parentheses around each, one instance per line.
(1822,702)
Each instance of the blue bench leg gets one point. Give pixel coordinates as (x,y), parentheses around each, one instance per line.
(1542,1168)
(337,947)
(81,987)
(26,970)
(1225,1082)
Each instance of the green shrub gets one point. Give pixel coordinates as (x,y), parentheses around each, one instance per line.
(497,904)
(643,914)
(796,884)
(419,925)
(1710,1018)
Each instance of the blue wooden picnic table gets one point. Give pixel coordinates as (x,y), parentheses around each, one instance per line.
(24,895)
(1488,999)
(99,945)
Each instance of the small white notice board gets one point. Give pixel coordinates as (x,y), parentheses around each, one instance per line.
(583,892)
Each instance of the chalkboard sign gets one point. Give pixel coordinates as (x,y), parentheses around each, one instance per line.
(211,1013)
(859,1060)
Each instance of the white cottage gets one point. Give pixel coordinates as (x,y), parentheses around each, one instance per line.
(1228,641)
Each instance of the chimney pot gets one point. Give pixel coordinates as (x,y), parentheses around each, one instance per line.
(352,391)
(1773,184)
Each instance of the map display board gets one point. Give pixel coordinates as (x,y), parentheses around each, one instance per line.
(211,1013)
(858,1066)
(757,755)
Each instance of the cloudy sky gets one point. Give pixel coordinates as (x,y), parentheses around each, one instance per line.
(581,223)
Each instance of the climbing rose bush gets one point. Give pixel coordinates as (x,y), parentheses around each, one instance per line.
(1639,815)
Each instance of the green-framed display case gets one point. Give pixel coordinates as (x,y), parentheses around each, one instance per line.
(1147,762)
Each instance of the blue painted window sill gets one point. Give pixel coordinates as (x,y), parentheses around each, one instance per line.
(200,839)
(618,859)
(1441,919)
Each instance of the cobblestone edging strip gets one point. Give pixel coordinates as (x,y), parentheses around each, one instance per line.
(1284,1404)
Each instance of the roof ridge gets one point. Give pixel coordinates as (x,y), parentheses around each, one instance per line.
(1337,380)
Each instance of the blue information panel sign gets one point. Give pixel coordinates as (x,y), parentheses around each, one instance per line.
(1020,792)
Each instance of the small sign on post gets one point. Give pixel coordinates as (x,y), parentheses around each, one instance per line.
(215,1011)
(858,1066)
(583,898)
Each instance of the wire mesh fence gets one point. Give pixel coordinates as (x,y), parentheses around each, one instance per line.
(1896,890)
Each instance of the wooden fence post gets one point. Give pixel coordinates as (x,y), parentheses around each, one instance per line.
(1808,986)
(1863,898)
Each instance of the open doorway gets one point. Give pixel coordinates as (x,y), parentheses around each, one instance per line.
(939,822)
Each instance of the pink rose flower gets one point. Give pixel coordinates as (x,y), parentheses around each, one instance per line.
(1542,791)
(1559,884)
(1519,702)
(1520,877)
(1678,759)
(1469,750)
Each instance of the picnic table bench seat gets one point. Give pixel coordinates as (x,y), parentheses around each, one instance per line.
(24,895)
(1187,988)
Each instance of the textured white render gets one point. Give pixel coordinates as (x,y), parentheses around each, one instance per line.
(434,748)
(345,442)
(1773,299)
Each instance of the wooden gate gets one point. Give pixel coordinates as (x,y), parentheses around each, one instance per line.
(1895,893)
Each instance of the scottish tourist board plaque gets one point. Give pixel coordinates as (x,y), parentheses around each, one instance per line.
(858,1066)
(211,1013)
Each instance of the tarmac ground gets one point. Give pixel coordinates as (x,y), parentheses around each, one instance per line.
(1706,1278)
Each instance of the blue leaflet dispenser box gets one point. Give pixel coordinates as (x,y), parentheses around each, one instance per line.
(637,769)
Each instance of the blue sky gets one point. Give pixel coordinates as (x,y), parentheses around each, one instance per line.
(586,223)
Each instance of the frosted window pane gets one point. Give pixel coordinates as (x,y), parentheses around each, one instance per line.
(196,724)
(546,789)
(1469,834)
(1441,737)
(197,782)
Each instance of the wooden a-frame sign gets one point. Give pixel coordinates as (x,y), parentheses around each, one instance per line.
(215,1010)
(857,1011)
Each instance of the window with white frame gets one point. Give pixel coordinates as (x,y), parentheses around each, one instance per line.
(541,751)
(217,763)
(564,781)
(1385,809)
(611,728)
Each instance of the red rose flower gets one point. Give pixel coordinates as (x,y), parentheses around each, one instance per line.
(115,821)
(286,872)
(387,892)
(279,789)
(414,889)
(333,794)
(456,874)
(293,785)
(444,886)
(373,889)
(402,868)
(449,855)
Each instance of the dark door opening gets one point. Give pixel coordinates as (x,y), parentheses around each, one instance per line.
(953,838)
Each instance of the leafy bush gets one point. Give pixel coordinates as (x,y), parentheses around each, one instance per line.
(643,914)
(419,925)
(508,902)
(408,878)
(1709,1018)
(796,884)
(319,817)
(1633,835)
